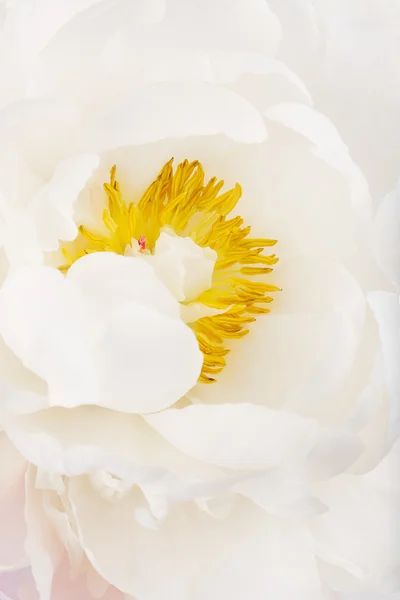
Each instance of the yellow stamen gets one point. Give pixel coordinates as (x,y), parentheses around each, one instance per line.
(181,200)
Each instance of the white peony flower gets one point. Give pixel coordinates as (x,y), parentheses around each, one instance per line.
(182,415)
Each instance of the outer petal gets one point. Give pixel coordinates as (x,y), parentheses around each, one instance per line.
(275,365)
(346,53)
(52,206)
(328,146)
(12,500)
(385,236)
(146,361)
(186,109)
(108,341)
(42,545)
(361,509)
(59,441)
(127,37)
(237,436)
(212,557)
(33,330)
(107,280)
(387,312)
(47,217)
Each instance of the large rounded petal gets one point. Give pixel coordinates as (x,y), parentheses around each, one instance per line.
(193,555)
(385,236)
(247,436)
(358,535)
(118,349)
(33,330)
(286,360)
(187,108)
(58,441)
(12,500)
(387,312)
(146,361)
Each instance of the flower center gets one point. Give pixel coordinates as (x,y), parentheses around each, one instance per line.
(181,203)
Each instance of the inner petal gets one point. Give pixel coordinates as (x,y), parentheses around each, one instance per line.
(182,226)
(184,267)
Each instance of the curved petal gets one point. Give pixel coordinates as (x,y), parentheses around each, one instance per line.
(247,546)
(116,351)
(239,436)
(386,308)
(385,236)
(59,441)
(146,361)
(42,545)
(328,146)
(107,280)
(361,509)
(123,32)
(51,208)
(48,214)
(173,110)
(33,330)
(12,503)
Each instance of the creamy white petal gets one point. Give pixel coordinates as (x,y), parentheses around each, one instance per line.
(42,546)
(145,361)
(184,267)
(51,209)
(120,37)
(358,534)
(12,464)
(386,308)
(59,441)
(281,493)
(107,280)
(347,55)
(238,436)
(15,374)
(33,330)
(111,349)
(12,499)
(385,236)
(173,110)
(212,557)
(328,146)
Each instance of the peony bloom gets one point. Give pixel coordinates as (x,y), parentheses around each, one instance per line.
(199,316)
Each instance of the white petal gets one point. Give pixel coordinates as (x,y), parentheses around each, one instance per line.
(85,439)
(107,280)
(42,546)
(228,66)
(194,555)
(184,267)
(12,464)
(346,53)
(119,38)
(173,110)
(358,533)
(34,329)
(274,366)
(142,359)
(51,209)
(281,493)
(15,401)
(328,146)
(386,239)
(237,435)
(12,501)
(146,361)
(14,373)
(387,312)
